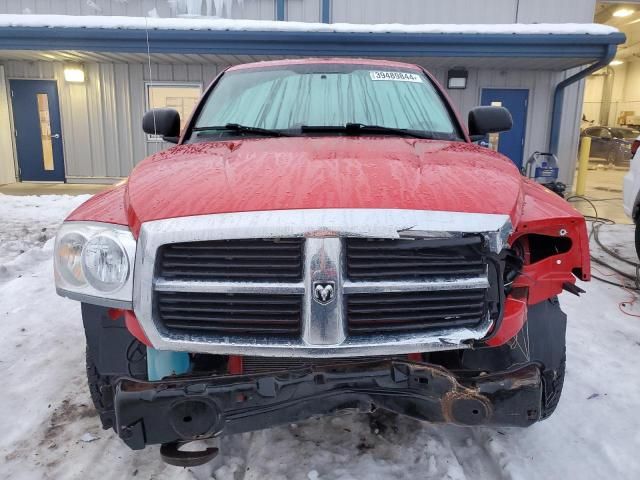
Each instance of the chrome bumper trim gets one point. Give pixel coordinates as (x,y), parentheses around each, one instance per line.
(362,346)
(390,287)
(179,286)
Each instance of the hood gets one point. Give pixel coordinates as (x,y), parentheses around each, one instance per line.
(325,172)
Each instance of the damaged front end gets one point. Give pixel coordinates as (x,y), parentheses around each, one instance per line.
(179,410)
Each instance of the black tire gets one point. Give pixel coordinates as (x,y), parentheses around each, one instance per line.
(638,240)
(542,341)
(101,392)
(553,381)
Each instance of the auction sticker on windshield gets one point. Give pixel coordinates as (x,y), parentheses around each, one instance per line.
(395,76)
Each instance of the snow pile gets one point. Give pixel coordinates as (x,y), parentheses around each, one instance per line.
(49,428)
(28,222)
(218,24)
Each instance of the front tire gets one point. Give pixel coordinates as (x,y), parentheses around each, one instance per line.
(553,381)
(541,340)
(101,392)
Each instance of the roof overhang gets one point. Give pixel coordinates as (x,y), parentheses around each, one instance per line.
(554,47)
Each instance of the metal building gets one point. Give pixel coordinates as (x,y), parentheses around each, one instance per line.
(73,89)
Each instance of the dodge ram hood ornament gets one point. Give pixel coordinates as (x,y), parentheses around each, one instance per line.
(323,292)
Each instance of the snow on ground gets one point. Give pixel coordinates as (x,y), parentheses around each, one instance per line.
(49,430)
(28,222)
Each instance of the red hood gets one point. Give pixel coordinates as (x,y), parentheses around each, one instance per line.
(329,172)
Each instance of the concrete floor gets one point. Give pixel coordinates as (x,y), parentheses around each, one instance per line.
(25,188)
(604,189)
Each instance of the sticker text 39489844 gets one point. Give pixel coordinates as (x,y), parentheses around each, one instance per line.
(395,76)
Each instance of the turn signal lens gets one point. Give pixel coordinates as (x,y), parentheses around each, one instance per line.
(68,256)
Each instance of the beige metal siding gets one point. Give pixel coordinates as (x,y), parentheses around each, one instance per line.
(303,10)
(462,11)
(102,118)
(556,11)
(247,9)
(423,11)
(354,11)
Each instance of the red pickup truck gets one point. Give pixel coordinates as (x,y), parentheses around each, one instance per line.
(325,235)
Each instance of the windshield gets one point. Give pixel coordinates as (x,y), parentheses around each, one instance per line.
(289,97)
(625,133)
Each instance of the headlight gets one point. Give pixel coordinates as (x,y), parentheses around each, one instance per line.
(105,263)
(93,263)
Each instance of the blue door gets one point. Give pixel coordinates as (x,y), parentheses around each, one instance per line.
(36,121)
(511,143)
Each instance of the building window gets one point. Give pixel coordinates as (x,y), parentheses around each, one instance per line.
(182,97)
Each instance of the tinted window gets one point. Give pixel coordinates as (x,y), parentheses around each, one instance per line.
(625,133)
(598,132)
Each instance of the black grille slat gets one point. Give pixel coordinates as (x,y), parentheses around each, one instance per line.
(381,308)
(237,330)
(245,320)
(230,314)
(408,327)
(185,274)
(376,273)
(405,259)
(414,316)
(231,309)
(405,312)
(232,260)
(245,299)
(446,296)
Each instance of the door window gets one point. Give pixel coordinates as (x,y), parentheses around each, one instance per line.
(45,131)
(182,97)
(494,138)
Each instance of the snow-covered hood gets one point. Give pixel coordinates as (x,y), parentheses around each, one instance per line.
(328,172)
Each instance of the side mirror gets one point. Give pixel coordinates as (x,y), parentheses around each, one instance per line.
(483,120)
(162,121)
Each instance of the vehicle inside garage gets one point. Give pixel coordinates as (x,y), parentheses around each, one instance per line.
(611,111)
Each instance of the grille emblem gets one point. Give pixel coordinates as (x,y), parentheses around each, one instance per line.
(323,292)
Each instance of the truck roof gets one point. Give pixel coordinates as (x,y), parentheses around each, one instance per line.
(312,61)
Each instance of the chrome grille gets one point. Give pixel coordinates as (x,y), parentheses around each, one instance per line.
(224,313)
(422,291)
(265,259)
(388,259)
(414,311)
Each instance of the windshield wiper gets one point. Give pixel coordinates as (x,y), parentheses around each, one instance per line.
(236,127)
(354,128)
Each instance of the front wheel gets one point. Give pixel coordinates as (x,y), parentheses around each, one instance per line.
(101,392)
(553,381)
(541,340)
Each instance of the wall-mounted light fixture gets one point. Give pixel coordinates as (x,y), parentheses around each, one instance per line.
(623,12)
(615,63)
(457,78)
(74,73)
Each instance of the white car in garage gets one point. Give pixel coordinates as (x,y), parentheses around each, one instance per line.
(631,190)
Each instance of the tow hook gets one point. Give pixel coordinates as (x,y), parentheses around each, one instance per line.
(171,454)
